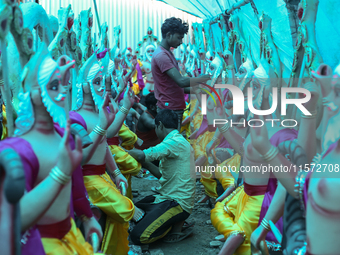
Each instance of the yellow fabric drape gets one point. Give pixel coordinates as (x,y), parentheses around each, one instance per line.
(198,117)
(238,213)
(72,243)
(202,142)
(135,86)
(127,164)
(128,137)
(4,123)
(195,124)
(119,210)
(226,178)
(186,127)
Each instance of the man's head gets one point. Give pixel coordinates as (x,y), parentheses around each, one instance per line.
(150,102)
(173,31)
(166,121)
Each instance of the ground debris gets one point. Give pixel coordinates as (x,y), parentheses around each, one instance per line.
(198,242)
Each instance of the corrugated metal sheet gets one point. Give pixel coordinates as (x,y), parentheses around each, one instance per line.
(134,16)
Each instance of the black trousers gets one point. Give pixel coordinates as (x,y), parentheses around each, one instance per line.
(158,220)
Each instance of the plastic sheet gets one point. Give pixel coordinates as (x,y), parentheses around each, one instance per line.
(280,30)
(250,31)
(327,27)
(202,8)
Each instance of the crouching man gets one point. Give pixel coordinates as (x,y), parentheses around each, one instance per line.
(165,213)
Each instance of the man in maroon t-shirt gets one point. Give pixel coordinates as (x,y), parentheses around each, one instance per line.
(170,85)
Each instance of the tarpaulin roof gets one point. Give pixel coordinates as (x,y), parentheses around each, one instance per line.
(201,8)
(327,25)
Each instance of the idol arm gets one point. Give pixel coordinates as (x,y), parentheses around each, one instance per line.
(286,178)
(276,208)
(235,140)
(35,203)
(89,151)
(117,123)
(307,137)
(110,162)
(218,135)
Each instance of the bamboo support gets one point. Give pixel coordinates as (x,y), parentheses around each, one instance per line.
(97,15)
(237,5)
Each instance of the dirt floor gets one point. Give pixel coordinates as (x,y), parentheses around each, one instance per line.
(196,244)
(204,232)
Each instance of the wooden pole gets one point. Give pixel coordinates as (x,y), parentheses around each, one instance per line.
(237,6)
(96,10)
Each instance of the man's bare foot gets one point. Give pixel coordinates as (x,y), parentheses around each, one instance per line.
(139,214)
(225,194)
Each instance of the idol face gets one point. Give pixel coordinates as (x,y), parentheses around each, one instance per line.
(256,86)
(150,49)
(55,90)
(118,59)
(128,55)
(242,72)
(97,84)
(150,52)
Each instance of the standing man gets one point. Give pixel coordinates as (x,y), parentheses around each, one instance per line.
(170,85)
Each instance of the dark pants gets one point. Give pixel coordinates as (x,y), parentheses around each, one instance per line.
(158,220)
(179,114)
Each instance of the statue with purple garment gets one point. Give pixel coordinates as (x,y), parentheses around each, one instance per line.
(258,191)
(149,44)
(41,119)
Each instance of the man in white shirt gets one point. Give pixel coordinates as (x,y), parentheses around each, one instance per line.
(176,173)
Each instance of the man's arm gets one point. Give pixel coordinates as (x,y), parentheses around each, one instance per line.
(185,82)
(147,121)
(191,90)
(162,150)
(154,170)
(139,155)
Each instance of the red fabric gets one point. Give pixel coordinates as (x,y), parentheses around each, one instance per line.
(94,170)
(113,141)
(57,230)
(252,190)
(168,94)
(149,138)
